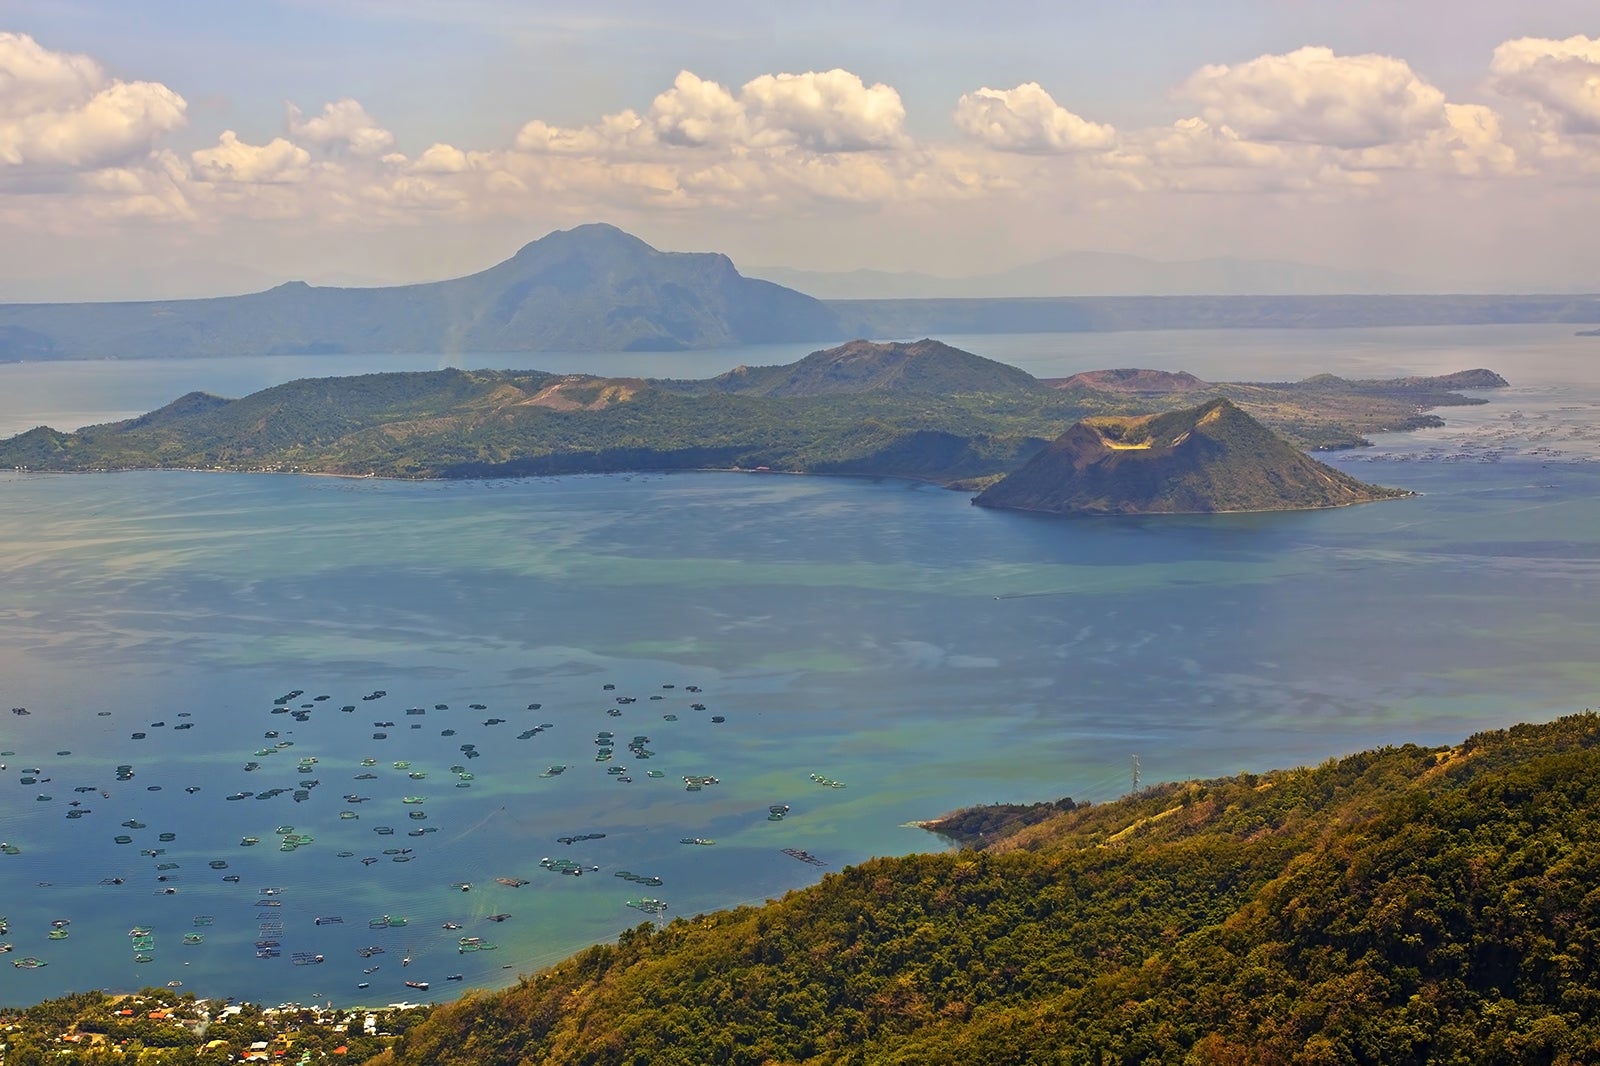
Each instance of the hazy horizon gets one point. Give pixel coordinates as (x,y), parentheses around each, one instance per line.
(176,148)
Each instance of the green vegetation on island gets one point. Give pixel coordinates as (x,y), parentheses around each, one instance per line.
(1406,905)
(921,410)
(1213,457)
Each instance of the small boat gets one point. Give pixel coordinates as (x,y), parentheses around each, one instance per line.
(453,977)
(420,986)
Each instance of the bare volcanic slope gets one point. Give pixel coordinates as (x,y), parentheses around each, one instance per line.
(1201,459)
(927,366)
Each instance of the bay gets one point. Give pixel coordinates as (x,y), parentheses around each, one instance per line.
(924,653)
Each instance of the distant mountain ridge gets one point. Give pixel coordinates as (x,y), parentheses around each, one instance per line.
(596,288)
(1204,459)
(593,288)
(1091,273)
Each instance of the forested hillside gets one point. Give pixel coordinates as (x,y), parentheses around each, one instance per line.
(1406,905)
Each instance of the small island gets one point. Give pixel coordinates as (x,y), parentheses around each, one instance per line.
(1205,459)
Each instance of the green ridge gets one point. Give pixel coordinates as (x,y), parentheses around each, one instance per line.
(1404,905)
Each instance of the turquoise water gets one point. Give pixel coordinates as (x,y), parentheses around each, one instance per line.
(923,652)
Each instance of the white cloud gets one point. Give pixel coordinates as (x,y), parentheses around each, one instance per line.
(1312,96)
(232,160)
(696,112)
(1304,130)
(1027,119)
(442,159)
(614,133)
(1470,144)
(830,111)
(1560,78)
(343,124)
(153,190)
(58,109)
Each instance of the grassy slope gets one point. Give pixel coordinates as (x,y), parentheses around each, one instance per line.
(1398,906)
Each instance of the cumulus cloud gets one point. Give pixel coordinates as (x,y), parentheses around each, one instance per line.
(695,112)
(1561,78)
(613,133)
(1304,127)
(828,112)
(442,159)
(1027,119)
(58,109)
(343,124)
(1312,96)
(232,160)
(1470,144)
(823,112)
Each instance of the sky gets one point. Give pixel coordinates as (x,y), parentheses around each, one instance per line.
(188,147)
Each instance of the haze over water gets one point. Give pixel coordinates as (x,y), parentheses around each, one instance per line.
(925,653)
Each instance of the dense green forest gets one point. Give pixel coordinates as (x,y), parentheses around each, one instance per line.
(1404,905)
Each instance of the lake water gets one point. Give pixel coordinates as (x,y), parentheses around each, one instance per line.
(923,652)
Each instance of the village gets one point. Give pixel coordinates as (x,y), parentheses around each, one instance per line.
(156,1026)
